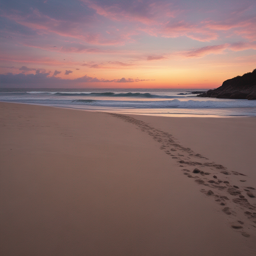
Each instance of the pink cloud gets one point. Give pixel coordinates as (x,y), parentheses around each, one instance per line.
(218,49)
(93,65)
(156,57)
(68,48)
(67,72)
(157,18)
(145,12)
(175,22)
(200,52)
(242,46)
(108,65)
(223,25)
(26,69)
(43,79)
(119,63)
(239,24)
(181,29)
(56,72)
(8,67)
(248,31)
(37,60)
(44,24)
(53,62)
(160,18)
(130,80)
(190,30)
(121,80)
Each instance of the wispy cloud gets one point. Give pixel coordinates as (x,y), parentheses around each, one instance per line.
(240,46)
(200,52)
(108,65)
(9,67)
(67,72)
(26,69)
(67,48)
(243,26)
(156,57)
(130,80)
(218,49)
(93,65)
(43,79)
(72,20)
(92,21)
(37,60)
(56,72)
(135,10)
(120,63)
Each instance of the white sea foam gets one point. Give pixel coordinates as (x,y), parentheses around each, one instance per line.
(107,94)
(193,104)
(135,101)
(40,92)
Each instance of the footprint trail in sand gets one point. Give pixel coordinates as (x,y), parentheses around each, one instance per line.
(215,180)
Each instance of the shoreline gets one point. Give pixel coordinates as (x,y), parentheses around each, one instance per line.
(171,103)
(62,185)
(172,115)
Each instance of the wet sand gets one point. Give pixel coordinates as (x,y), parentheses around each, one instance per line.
(87,183)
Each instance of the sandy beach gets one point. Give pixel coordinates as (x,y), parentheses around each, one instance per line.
(88,183)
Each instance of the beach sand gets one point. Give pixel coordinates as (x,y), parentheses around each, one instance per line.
(87,183)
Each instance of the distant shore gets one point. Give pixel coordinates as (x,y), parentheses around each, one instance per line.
(89,183)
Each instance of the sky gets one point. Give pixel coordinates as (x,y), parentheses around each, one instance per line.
(125,44)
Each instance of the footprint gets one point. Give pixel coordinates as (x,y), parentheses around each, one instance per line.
(245,234)
(225,172)
(234,191)
(224,197)
(250,215)
(195,170)
(209,193)
(238,173)
(250,194)
(236,226)
(227,210)
(199,181)
(243,202)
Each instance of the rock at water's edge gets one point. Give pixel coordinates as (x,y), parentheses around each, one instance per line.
(240,87)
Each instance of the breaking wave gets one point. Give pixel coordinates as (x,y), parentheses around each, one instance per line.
(84,101)
(192,104)
(106,94)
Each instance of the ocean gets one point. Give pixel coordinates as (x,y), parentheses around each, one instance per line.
(155,102)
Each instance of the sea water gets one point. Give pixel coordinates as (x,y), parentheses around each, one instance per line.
(156,102)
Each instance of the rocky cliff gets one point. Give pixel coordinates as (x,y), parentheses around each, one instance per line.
(240,87)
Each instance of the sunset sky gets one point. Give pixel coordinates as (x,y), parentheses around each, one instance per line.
(125,44)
